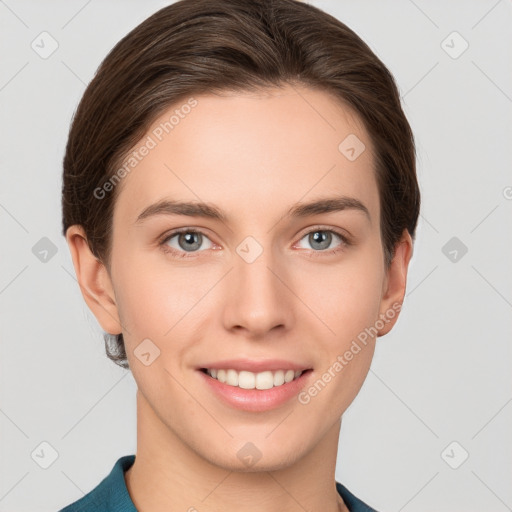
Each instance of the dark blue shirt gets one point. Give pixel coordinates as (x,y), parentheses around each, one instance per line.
(111,494)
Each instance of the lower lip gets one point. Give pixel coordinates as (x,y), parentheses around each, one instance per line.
(256,400)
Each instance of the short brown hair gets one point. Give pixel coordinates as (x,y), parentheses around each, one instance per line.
(198,47)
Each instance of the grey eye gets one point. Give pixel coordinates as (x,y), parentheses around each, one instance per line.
(321,239)
(188,241)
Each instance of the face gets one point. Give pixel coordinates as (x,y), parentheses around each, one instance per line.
(255,281)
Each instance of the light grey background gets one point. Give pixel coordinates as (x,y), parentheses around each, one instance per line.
(441,376)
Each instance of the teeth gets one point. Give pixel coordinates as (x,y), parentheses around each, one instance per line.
(232,378)
(250,380)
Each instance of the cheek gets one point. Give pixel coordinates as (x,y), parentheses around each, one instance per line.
(157,301)
(346,297)
(142,297)
(347,301)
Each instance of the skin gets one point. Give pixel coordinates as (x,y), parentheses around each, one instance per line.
(253,155)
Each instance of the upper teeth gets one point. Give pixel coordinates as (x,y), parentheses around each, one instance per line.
(250,380)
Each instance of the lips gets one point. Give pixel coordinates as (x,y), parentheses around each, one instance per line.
(255,385)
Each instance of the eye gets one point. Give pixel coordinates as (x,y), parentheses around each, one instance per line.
(183,241)
(320,240)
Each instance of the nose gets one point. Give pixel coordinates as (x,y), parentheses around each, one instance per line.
(257,295)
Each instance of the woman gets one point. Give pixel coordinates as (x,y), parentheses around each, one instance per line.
(240,202)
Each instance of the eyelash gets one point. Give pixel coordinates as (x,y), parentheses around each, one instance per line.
(345,242)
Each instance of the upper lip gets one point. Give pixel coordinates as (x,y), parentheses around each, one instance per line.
(255,366)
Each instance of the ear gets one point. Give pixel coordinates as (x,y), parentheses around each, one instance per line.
(94,281)
(393,290)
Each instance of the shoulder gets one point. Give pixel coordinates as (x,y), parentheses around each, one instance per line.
(110,495)
(353,503)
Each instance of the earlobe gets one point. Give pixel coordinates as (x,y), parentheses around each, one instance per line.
(395,283)
(94,281)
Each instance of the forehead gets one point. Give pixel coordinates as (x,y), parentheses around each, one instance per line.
(252,153)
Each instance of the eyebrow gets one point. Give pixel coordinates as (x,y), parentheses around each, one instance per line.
(210,211)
